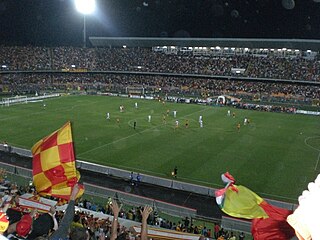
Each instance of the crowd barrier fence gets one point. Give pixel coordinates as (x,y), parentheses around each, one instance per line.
(131,199)
(125,174)
(127,198)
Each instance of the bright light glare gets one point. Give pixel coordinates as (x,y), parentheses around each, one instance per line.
(85,6)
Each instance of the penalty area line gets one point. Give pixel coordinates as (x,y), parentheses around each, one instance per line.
(315,168)
(316,149)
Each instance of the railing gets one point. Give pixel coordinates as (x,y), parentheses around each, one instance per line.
(134,200)
(127,198)
(169,183)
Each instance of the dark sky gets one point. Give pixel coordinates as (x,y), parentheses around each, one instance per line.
(56,22)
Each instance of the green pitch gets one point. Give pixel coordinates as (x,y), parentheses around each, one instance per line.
(276,155)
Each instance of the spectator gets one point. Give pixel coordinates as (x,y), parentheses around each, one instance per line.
(23,227)
(63,230)
(4,223)
(116,210)
(216,230)
(241,236)
(232,237)
(144,227)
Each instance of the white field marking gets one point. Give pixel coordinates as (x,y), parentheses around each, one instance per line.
(131,168)
(188,179)
(316,166)
(202,182)
(65,109)
(9,118)
(132,135)
(316,149)
(278,196)
(220,185)
(156,173)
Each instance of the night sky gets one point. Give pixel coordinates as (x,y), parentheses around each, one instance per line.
(56,22)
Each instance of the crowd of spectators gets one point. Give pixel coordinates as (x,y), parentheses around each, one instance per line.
(25,223)
(265,108)
(25,58)
(64,61)
(78,221)
(20,84)
(147,60)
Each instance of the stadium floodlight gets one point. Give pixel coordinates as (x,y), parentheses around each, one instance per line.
(85,7)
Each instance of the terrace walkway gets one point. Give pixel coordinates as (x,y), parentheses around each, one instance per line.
(205,205)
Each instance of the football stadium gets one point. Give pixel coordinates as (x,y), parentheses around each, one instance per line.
(170,137)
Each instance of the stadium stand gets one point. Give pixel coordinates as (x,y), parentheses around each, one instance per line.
(146,60)
(290,79)
(262,76)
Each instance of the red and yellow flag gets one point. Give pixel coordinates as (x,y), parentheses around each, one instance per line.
(268,222)
(54,166)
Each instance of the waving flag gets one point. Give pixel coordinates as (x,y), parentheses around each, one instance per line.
(54,167)
(268,222)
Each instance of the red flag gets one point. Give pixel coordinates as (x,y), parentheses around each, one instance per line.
(54,167)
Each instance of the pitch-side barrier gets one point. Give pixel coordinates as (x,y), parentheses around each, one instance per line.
(169,183)
(124,197)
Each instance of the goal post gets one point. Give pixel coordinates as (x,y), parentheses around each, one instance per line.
(14,100)
(135,91)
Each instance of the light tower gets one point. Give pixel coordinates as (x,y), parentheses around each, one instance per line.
(85,7)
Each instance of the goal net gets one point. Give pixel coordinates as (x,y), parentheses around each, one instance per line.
(14,100)
(135,90)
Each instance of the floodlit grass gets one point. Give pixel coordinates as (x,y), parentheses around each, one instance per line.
(276,155)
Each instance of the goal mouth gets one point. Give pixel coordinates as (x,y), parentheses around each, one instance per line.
(135,90)
(14,100)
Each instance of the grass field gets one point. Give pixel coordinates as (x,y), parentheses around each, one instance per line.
(276,155)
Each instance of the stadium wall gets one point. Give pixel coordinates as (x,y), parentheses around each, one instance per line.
(228,223)
(169,183)
(127,198)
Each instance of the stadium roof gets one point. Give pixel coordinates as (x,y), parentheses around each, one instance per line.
(301,44)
